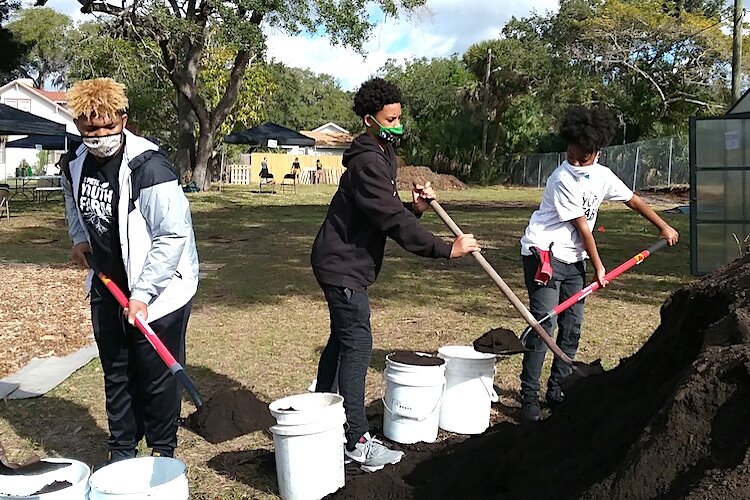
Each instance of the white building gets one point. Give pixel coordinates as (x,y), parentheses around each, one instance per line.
(330,139)
(47,104)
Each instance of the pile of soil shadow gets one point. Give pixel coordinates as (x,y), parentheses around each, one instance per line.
(669,422)
(230,414)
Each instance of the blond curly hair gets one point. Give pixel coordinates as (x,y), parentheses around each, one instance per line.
(97,98)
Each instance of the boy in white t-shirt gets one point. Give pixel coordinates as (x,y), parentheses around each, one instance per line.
(559,238)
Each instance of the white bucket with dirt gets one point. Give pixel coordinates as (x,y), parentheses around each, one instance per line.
(309,442)
(139,479)
(414,390)
(27,486)
(469,391)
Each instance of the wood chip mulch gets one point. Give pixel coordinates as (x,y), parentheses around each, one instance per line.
(44,311)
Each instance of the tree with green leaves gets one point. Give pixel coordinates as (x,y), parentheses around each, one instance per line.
(150,94)
(653,62)
(441,133)
(304,100)
(48,37)
(663,68)
(11,48)
(181,29)
(153,105)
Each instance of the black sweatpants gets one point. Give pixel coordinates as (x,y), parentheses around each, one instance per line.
(142,396)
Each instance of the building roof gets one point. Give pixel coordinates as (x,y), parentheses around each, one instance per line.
(331,125)
(47,95)
(53,95)
(328,140)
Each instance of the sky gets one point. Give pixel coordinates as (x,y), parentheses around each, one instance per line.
(442,28)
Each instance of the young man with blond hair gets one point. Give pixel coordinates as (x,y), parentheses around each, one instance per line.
(125,206)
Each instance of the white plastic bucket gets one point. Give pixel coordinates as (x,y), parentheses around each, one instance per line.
(22,486)
(309,442)
(413,394)
(141,478)
(469,392)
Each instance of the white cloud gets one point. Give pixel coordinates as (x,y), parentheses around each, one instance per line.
(441,28)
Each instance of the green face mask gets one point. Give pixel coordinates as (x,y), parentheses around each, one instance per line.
(388,134)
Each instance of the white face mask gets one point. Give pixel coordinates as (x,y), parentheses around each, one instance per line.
(104,146)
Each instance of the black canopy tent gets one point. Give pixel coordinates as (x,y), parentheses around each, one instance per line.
(16,122)
(260,135)
(46,142)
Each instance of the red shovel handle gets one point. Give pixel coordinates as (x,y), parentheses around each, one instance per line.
(176,368)
(632,262)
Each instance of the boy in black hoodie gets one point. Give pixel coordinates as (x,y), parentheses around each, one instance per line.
(348,252)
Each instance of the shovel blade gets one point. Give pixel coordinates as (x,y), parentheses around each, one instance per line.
(582,370)
(499,341)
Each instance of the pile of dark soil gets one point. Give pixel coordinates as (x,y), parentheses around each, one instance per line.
(416,359)
(669,422)
(53,487)
(440,182)
(230,414)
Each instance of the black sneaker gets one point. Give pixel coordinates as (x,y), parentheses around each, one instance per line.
(554,397)
(531,411)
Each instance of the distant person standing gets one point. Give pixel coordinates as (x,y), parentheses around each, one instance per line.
(265,175)
(296,168)
(318,171)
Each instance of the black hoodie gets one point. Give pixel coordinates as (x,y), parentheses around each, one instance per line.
(348,250)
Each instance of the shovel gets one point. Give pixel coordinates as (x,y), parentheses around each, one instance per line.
(514,345)
(176,368)
(31,467)
(573,299)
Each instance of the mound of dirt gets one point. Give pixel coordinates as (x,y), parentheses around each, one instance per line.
(230,414)
(668,422)
(440,182)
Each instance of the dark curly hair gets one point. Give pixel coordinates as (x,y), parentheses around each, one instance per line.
(373,95)
(590,128)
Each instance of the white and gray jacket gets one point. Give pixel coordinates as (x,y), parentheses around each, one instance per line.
(155,227)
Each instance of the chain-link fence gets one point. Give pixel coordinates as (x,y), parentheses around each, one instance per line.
(654,163)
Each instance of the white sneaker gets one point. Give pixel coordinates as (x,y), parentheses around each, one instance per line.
(372,455)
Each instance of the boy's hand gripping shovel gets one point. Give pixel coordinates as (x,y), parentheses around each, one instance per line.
(176,368)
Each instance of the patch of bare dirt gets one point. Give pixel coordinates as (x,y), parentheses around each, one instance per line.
(440,182)
(44,312)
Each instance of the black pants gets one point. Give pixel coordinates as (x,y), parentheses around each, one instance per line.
(348,351)
(143,397)
(567,280)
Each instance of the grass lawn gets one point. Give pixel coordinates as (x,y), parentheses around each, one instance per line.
(261,320)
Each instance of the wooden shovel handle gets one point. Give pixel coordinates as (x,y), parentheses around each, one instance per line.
(512,297)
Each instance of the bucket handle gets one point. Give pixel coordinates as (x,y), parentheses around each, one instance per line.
(432,412)
(490,391)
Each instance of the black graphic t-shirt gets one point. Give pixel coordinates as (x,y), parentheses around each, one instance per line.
(98,197)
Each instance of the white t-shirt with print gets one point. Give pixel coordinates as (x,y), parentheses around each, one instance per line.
(571,192)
